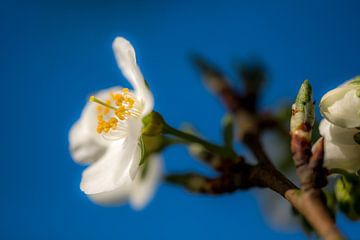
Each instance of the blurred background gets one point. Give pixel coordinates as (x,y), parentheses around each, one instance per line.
(53,54)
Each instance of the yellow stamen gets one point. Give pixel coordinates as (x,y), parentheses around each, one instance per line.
(125,90)
(94,99)
(124,109)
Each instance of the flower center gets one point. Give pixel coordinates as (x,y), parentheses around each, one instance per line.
(115,110)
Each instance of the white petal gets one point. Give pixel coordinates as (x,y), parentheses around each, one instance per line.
(110,171)
(118,166)
(341,106)
(134,130)
(90,113)
(331,132)
(83,147)
(145,186)
(126,60)
(112,198)
(148,100)
(86,145)
(342,156)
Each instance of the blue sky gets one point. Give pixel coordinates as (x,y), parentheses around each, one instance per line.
(53,54)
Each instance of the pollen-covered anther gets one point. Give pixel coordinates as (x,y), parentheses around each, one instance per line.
(105,126)
(125,107)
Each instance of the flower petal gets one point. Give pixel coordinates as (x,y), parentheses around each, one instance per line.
(110,171)
(341,106)
(86,145)
(126,60)
(145,186)
(342,156)
(115,197)
(331,132)
(83,147)
(116,167)
(134,130)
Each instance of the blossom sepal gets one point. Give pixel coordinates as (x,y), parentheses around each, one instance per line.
(153,124)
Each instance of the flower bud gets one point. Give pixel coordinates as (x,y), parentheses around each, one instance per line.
(303,111)
(153,124)
(341,106)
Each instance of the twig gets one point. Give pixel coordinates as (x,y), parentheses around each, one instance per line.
(197,183)
(309,167)
(309,201)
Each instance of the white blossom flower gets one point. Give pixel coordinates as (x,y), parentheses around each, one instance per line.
(341,150)
(341,109)
(108,137)
(341,106)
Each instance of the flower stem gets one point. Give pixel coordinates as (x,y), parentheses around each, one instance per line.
(190,138)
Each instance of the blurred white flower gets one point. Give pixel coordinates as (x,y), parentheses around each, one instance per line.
(341,150)
(108,137)
(341,106)
(341,109)
(137,191)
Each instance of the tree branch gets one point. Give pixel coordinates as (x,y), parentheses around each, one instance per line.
(308,161)
(309,201)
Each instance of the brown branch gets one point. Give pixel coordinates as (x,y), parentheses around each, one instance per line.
(218,163)
(313,209)
(197,183)
(309,201)
(308,161)
(238,104)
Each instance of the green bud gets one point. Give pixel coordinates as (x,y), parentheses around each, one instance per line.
(153,124)
(304,95)
(303,108)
